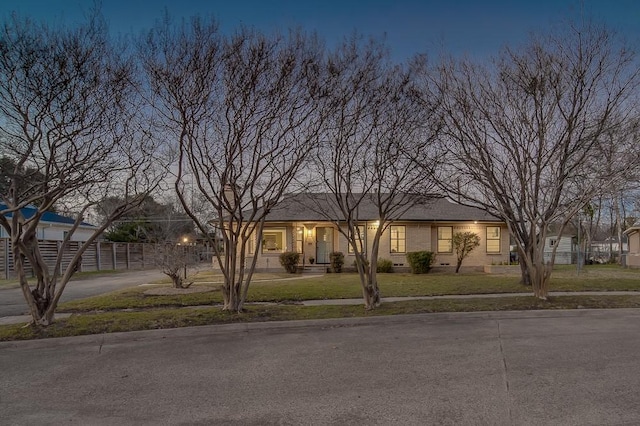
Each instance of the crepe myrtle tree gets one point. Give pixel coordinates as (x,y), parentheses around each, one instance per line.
(241,111)
(174,258)
(163,226)
(171,232)
(525,135)
(69,128)
(371,131)
(463,244)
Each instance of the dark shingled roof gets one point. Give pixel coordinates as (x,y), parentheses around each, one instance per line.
(306,207)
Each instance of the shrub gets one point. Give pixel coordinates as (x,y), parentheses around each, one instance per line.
(384,266)
(366,263)
(289,260)
(337,260)
(421,261)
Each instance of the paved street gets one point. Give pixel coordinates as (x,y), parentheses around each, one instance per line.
(12,300)
(514,368)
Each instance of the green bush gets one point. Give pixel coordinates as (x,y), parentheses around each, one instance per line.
(421,261)
(384,266)
(337,260)
(366,263)
(289,260)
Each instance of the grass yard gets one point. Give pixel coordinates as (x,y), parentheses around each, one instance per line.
(132,309)
(287,288)
(109,322)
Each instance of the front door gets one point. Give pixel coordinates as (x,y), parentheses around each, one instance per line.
(324,244)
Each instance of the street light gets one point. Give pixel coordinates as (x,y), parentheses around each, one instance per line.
(185,241)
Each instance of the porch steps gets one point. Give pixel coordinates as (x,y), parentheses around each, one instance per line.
(315,269)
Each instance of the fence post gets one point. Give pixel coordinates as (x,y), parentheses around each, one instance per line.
(114,261)
(59,248)
(128,257)
(6,258)
(98,257)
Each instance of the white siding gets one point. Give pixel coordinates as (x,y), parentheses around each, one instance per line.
(566,251)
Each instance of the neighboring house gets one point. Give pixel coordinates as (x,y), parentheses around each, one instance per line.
(54,227)
(297,225)
(601,251)
(633,256)
(566,253)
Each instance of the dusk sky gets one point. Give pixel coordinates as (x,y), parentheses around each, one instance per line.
(475,27)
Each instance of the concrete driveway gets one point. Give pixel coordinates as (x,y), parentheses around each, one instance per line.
(12,300)
(512,368)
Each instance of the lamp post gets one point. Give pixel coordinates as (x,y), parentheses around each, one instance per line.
(185,241)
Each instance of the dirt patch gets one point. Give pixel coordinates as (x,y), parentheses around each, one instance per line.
(170,291)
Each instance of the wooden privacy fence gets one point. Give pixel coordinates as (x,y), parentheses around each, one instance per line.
(99,256)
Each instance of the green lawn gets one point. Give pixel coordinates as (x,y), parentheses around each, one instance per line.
(109,322)
(347,285)
(132,309)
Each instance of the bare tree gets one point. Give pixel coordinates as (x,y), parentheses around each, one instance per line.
(172,233)
(463,245)
(525,136)
(372,131)
(241,111)
(69,128)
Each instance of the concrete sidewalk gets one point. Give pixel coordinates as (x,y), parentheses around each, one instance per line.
(467,296)
(18,319)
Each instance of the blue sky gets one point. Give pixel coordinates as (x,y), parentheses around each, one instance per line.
(474,27)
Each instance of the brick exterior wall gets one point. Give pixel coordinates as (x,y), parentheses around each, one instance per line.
(419,236)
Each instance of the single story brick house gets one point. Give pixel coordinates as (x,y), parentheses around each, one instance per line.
(300,224)
(633,255)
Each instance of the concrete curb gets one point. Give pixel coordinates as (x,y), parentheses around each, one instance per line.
(202,331)
(467,296)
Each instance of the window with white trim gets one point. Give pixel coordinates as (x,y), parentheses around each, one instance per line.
(398,238)
(359,239)
(251,243)
(493,239)
(273,241)
(445,239)
(299,239)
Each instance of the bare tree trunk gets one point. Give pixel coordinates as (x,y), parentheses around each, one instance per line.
(525,278)
(371,289)
(619,224)
(234,301)
(18,264)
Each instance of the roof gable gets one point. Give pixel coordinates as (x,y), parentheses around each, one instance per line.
(632,230)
